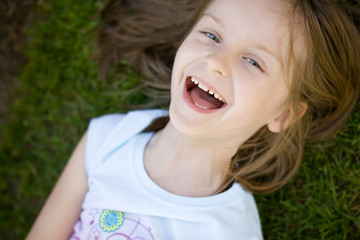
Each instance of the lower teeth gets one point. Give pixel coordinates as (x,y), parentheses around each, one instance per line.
(201,106)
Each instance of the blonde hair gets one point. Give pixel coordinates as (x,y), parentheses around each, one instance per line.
(327,79)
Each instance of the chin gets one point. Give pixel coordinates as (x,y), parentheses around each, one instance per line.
(185,122)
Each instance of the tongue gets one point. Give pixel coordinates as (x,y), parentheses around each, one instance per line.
(203,99)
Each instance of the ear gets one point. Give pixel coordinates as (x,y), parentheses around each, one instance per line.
(285,119)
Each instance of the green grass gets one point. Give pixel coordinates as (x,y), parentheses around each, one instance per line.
(58,92)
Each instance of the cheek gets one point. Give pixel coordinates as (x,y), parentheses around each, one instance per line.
(183,58)
(192,47)
(176,73)
(261,102)
(275,101)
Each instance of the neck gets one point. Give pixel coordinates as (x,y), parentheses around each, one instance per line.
(186,165)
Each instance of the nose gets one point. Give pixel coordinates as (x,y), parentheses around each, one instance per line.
(218,62)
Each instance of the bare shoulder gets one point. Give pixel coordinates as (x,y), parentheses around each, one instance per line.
(63,206)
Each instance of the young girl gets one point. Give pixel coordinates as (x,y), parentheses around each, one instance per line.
(251,80)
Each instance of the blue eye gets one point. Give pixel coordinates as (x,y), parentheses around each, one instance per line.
(253,62)
(212,37)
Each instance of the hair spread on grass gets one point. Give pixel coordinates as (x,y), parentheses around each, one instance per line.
(147,33)
(326,78)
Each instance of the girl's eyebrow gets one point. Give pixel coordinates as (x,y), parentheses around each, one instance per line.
(216,19)
(263,48)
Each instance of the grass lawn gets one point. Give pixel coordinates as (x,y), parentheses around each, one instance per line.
(58,92)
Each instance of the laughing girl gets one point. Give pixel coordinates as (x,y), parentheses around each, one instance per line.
(250,81)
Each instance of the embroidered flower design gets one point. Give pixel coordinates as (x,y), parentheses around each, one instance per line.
(111,220)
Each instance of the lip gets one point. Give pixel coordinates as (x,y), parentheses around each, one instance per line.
(195,107)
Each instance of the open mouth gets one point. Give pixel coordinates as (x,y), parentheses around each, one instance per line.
(203,97)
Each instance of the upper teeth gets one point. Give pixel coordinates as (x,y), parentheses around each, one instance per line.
(211,92)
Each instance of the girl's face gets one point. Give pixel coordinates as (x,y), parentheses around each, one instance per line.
(228,77)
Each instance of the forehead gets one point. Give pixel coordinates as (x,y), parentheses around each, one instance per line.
(274,8)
